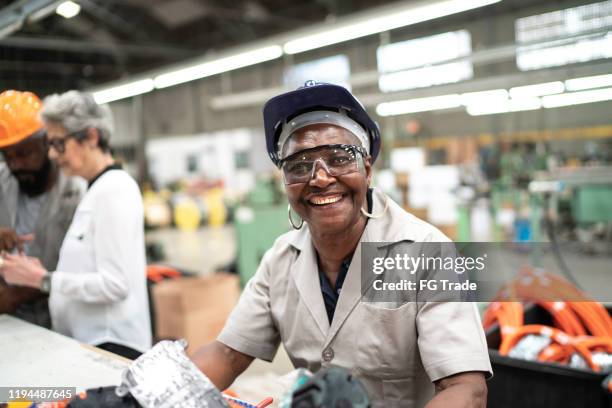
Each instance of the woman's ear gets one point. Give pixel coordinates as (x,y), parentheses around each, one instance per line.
(93,137)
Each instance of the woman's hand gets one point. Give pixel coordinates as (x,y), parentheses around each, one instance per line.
(9,239)
(22,270)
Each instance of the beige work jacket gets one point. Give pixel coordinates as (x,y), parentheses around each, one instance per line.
(397,352)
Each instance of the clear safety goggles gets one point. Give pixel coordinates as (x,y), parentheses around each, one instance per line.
(336,159)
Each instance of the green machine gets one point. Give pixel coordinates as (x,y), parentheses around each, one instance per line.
(590,188)
(585,193)
(258,223)
(593,203)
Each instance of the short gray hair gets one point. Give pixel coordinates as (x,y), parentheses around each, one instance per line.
(76,111)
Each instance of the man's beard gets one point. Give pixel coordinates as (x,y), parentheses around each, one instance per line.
(34,182)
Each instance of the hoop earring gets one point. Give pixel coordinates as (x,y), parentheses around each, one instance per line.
(367,214)
(291,220)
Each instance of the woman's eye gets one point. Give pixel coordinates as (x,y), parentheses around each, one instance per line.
(299,168)
(341,160)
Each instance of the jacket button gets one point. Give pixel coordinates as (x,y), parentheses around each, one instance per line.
(328,354)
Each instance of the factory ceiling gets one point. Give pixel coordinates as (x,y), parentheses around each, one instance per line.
(112,39)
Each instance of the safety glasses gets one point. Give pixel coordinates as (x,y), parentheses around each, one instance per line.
(336,159)
(59,144)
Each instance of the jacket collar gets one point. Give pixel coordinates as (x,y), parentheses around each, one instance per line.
(389,228)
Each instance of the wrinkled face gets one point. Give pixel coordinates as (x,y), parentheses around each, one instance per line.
(28,162)
(69,153)
(328,204)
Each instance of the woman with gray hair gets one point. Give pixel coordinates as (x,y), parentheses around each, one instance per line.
(98,293)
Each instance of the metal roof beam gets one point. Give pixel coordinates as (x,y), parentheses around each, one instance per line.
(14,16)
(85,47)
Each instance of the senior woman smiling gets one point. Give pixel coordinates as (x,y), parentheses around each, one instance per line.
(98,292)
(307,290)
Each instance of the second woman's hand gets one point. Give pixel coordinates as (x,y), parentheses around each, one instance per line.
(22,270)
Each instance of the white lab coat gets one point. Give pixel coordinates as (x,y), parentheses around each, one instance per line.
(98,292)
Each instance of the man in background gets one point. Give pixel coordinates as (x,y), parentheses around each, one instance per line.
(37,201)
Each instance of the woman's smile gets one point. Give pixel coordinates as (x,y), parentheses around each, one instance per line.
(319,200)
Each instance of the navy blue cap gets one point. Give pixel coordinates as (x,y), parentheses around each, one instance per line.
(310,97)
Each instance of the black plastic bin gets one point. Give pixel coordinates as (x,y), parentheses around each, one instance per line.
(531,384)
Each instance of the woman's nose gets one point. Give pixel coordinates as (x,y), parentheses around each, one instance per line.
(320,175)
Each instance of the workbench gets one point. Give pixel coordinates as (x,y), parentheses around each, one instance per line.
(31,356)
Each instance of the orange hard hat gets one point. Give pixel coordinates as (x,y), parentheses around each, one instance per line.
(18,116)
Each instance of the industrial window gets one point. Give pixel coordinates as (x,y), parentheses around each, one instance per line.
(577,34)
(423,62)
(334,70)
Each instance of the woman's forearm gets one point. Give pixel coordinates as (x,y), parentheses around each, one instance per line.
(465,390)
(221,364)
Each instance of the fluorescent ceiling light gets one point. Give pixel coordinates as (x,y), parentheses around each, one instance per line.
(373,25)
(508,105)
(484,97)
(68,9)
(546,88)
(497,101)
(123,91)
(218,66)
(525,103)
(577,98)
(243,99)
(597,81)
(424,51)
(419,105)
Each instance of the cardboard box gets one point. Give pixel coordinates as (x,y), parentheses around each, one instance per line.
(194,308)
(449,230)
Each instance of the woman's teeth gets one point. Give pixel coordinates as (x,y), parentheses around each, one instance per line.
(325,200)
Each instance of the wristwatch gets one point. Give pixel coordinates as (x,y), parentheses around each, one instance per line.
(45,283)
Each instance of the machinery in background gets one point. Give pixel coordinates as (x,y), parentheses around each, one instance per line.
(574,206)
(578,204)
(493,201)
(187,208)
(259,221)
